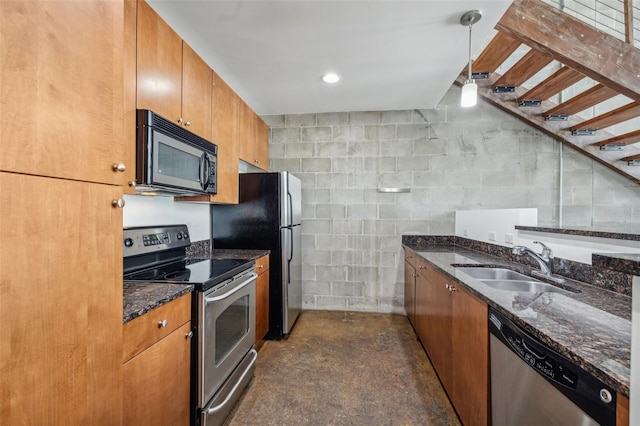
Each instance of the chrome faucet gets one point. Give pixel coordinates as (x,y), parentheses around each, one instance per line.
(544,259)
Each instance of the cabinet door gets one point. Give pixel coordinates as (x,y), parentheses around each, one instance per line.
(159,72)
(247,133)
(262,144)
(60,301)
(262,306)
(438,320)
(196,93)
(410,292)
(157,383)
(225,135)
(470,343)
(61,89)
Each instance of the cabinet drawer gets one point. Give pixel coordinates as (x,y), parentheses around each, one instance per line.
(147,329)
(262,264)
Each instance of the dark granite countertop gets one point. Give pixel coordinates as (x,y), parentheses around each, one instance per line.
(627,233)
(628,263)
(140,298)
(592,327)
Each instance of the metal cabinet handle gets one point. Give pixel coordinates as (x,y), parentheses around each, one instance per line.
(119,203)
(133,183)
(163,323)
(260,266)
(189,335)
(120,167)
(180,120)
(188,123)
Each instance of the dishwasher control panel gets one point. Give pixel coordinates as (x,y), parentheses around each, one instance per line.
(538,359)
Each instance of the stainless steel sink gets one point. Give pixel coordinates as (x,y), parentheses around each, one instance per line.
(483,273)
(525,286)
(508,280)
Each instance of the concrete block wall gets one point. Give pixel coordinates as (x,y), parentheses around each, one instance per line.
(451,158)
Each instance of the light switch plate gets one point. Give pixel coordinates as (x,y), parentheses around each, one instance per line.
(508,238)
(492,236)
(465,232)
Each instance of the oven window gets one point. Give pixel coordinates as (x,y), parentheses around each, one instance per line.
(177,163)
(231,326)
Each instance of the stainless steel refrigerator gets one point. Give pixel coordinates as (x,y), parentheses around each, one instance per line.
(268,217)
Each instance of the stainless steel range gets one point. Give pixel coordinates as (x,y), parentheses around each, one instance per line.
(222,318)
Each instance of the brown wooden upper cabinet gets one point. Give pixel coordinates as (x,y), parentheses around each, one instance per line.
(225,134)
(62,85)
(254,138)
(172,80)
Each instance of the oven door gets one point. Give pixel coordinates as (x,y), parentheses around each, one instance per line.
(227,316)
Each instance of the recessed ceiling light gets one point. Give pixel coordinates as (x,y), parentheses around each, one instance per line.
(331,77)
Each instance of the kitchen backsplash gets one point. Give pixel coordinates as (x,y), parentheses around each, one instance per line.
(142,210)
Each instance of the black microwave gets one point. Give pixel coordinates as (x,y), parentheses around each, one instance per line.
(171,159)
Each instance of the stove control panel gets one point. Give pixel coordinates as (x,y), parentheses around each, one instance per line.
(150,239)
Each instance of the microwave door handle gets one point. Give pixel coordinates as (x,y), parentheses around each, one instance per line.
(207,168)
(201,170)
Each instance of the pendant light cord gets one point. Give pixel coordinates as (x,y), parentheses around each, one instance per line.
(471,25)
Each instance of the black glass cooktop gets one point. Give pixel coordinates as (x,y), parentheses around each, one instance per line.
(204,273)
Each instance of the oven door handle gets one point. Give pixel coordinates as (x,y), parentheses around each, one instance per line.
(220,406)
(248,281)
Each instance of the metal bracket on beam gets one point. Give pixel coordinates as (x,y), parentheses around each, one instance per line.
(633,163)
(504,89)
(530,103)
(612,147)
(557,117)
(583,132)
(479,75)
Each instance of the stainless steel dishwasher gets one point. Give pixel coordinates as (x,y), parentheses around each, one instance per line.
(532,385)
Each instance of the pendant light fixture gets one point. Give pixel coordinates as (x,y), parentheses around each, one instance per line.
(469,95)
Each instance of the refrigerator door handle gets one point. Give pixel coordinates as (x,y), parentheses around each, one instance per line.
(290,255)
(290,199)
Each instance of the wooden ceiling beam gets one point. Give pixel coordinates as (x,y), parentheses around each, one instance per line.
(580,102)
(530,64)
(496,52)
(626,139)
(618,115)
(555,83)
(595,54)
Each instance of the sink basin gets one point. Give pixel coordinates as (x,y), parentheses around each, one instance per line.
(524,286)
(482,273)
(508,280)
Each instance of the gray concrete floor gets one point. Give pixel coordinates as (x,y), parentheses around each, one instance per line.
(345,368)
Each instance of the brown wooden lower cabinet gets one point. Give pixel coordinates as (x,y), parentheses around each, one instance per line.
(622,410)
(410,292)
(262,299)
(156,374)
(452,326)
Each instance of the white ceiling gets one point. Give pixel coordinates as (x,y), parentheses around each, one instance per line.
(391,54)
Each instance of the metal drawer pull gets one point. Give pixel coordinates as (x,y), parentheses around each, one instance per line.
(189,335)
(120,167)
(220,406)
(162,323)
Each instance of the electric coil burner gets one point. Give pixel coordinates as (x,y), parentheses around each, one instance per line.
(222,317)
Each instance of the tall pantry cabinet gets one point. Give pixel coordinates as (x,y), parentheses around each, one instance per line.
(61,162)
